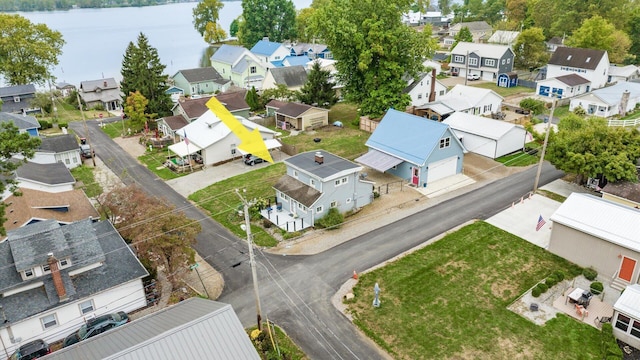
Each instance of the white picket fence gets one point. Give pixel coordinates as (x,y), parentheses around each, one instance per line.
(624,123)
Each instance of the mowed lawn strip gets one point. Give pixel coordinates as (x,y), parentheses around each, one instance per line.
(223,204)
(449,301)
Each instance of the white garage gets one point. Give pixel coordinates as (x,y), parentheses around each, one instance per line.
(487,137)
(442,169)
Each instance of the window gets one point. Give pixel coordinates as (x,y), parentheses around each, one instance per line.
(86,307)
(312,182)
(28,273)
(458,59)
(16,99)
(622,322)
(635,328)
(233,151)
(64,262)
(344,180)
(337,182)
(333,204)
(46,268)
(441,92)
(49,321)
(444,143)
(319,209)
(503,61)
(253,70)
(508,61)
(66,161)
(490,62)
(419,96)
(473,61)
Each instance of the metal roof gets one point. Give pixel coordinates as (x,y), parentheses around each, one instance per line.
(607,220)
(481,126)
(192,329)
(266,47)
(629,301)
(378,160)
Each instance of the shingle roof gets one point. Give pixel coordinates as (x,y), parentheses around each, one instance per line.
(473,26)
(622,70)
(59,143)
(176,122)
(200,74)
(276,104)
(93,85)
(17,90)
(194,107)
(504,37)
(303,48)
(291,76)
(50,174)
(301,192)
(624,189)
(572,79)
(491,51)
(613,94)
(293,109)
(234,100)
(22,122)
(265,47)
(577,57)
(296,60)
(331,165)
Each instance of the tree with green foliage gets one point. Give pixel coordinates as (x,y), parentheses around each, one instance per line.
(374,51)
(12,142)
(205,18)
(318,90)
(464,35)
(444,6)
(633,30)
(214,33)
(142,71)
(598,33)
(233,28)
(589,148)
(136,108)
(27,51)
(305,27)
(253,99)
(275,19)
(280,92)
(530,49)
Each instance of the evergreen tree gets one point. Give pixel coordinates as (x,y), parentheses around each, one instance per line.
(253,100)
(318,90)
(142,71)
(275,19)
(464,35)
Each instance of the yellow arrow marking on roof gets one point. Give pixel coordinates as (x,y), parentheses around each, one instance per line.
(250,141)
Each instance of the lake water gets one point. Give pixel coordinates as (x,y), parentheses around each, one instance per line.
(96,39)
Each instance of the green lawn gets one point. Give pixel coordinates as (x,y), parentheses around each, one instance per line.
(223,204)
(502,91)
(449,301)
(154,161)
(285,346)
(345,112)
(85,174)
(518,159)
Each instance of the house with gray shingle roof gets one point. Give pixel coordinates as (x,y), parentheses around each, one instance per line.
(65,88)
(53,278)
(591,64)
(103,93)
(24,123)
(312,50)
(293,77)
(17,99)
(59,148)
(609,101)
(623,192)
(315,182)
(239,65)
(53,177)
(623,73)
(480,30)
(485,60)
(301,116)
(200,81)
(564,86)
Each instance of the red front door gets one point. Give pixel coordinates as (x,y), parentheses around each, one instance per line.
(626,268)
(415,176)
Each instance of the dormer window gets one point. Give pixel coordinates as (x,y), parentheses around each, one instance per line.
(64,263)
(16,99)
(588,59)
(46,268)
(28,273)
(568,57)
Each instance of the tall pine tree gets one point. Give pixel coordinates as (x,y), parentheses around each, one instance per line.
(142,71)
(318,90)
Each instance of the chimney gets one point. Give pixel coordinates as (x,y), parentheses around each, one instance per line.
(57,278)
(432,93)
(105,83)
(624,102)
(319,158)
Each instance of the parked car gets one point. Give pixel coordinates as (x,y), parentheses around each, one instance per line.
(473,77)
(252,159)
(31,350)
(86,152)
(96,326)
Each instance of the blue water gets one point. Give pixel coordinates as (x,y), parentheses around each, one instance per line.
(96,39)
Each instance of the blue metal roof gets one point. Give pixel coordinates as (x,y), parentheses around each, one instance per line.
(408,137)
(228,54)
(265,47)
(297,60)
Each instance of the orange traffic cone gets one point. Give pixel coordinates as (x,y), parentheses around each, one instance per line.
(355,275)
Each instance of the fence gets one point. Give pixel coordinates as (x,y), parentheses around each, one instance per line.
(367,124)
(527,83)
(624,123)
(387,188)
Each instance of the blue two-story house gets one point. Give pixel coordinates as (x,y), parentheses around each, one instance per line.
(413,148)
(315,182)
(485,60)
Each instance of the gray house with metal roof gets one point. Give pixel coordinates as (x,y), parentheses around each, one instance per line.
(191,329)
(54,277)
(24,123)
(315,182)
(200,81)
(239,65)
(60,148)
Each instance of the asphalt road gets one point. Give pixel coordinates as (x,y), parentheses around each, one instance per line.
(295,291)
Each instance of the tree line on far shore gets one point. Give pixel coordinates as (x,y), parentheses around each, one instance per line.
(50,5)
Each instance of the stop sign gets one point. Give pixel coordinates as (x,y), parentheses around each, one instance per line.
(100,115)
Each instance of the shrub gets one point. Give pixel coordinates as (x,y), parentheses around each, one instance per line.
(610,347)
(266,223)
(543,287)
(376,194)
(590,273)
(44,124)
(63,125)
(535,292)
(551,280)
(559,274)
(533,105)
(596,287)
(332,220)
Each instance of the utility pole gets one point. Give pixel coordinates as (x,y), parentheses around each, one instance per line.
(252,261)
(86,130)
(544,146)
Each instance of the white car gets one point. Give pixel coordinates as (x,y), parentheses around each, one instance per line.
(473,77)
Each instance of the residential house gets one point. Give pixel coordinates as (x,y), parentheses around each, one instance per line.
(35,206)
(487,137)
(446,41)
(622,73)
(214,142)
(273,106)
(565,86)
(593,232)
(315,182)
(480,30)
(233,100)
(55,277)
(313,51)
(200,81)
(59,148)
(169,126)
(65,88)
(623,192)
(293,77)
(103,93)
(485,60)
(626,316)
(52,177)
(433,64)
(615,100)
(175,92)
(427,88)
(435,18)
(24,123)
(301,116)
(504,37)
(173,331)
(290,60)
(554,43)
(239,65)
(17,99)
(461,98)
(269,51)
(591,64)
(416,149)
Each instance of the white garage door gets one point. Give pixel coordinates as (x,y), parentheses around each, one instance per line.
(441,169)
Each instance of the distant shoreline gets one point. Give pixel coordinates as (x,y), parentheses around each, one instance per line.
(39,6)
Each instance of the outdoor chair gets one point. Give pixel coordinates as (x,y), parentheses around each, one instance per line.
(581,311)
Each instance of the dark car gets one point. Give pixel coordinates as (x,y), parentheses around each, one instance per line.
(252,159)
(31,350)
(86,151)
(96,326)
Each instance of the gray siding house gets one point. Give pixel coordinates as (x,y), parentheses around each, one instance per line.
(317,181)
(486,60)
(200,81)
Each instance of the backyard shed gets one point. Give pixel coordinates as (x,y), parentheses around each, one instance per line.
(626,316)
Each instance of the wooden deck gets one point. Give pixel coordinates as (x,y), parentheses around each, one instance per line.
(596,309)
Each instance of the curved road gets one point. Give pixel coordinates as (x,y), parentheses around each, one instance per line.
(296,290)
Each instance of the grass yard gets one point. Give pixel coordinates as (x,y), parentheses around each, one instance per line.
(449,301)
(223,204)
(502,91)
(346,142)
(154,161)
(286,347)
(85,174)
(345,112)
(518,159)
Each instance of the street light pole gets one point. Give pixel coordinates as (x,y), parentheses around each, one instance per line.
(252,261)
(84,121)
(466,76)
(544,146)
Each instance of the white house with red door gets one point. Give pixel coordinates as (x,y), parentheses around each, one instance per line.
(598,233)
